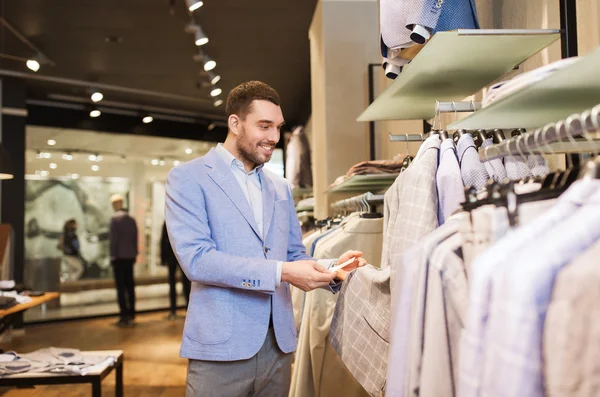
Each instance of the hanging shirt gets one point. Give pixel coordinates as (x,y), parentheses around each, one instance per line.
(451,191)
(472,170)
(495,168)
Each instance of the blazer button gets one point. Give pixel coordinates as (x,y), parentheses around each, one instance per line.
(244,284)
(266,250)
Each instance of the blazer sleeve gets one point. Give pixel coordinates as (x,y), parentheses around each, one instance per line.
(190,235)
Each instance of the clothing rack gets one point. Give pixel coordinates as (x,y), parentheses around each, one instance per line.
(440,107)
(364,203)
(539,140)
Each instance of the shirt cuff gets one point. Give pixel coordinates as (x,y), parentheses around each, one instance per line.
(278,277)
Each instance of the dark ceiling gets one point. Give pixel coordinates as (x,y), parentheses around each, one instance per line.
(250,40)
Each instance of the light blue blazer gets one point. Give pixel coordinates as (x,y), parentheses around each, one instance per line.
(233,269)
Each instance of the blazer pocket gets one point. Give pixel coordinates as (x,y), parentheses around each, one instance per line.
(378,324)
(209,318)
(282,215)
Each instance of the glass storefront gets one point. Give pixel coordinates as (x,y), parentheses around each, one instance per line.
(71,175)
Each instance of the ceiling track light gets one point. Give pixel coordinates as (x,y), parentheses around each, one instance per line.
(193,5)
(33,65)
(209,64)
(201,38)
(218,103)
(148,119)
(97,96)
(214,78)
(95,113)
(216,92)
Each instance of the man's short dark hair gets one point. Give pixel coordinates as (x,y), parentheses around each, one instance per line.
(239,100)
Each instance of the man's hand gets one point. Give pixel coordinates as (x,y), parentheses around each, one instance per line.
(306,275)
(342,274)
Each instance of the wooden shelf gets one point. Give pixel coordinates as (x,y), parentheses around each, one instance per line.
(567,91)
(452,66)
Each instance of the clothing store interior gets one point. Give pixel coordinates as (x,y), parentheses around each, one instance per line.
(454,143)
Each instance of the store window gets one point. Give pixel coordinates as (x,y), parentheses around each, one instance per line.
(70,176)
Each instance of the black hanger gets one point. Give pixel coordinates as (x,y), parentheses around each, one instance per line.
(443,134)
(479,137)
(517,132)
(498,135)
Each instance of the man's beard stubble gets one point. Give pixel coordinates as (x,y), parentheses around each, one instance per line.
(247,150)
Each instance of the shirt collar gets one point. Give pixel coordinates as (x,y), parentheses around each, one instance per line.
(233,161)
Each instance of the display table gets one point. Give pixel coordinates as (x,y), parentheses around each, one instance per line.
(6,314)
(95,377)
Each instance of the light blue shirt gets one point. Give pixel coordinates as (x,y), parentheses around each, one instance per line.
(250,184)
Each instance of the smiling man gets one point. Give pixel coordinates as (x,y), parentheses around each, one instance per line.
(234,230)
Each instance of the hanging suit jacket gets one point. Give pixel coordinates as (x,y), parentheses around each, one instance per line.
(233,268)
(360,329)
(318,370)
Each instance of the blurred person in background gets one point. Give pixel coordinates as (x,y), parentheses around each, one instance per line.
(168,259)
(73,262)
(123,251)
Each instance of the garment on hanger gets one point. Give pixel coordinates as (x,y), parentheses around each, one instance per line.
(570,346)
(495,168)
(521,293)
(472,353)
(360,325)
(517,168)
(406,290)
(451,191)
(318,370)
(538,165)
(442,15)
(472,170)
(298,164)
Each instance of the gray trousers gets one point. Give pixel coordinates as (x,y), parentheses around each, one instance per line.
(267,374)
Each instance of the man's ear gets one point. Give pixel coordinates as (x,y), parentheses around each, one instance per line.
(234,123)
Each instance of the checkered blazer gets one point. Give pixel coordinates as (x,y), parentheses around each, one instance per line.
(360,327)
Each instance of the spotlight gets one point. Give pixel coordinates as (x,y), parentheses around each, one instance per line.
(216,92)
(154,162)
(218,103)
(214,78)
(97,96)
(193,5)
(74,176)
(92,157)
(44,173)
(209,64)
(95,168)
(188,151)
(44,155)
(211,126)
(95,113)
(201,38)
(176,163)
(67,156)
(147,119)
(51,142)
(161,162)
(53,166)
(33,65)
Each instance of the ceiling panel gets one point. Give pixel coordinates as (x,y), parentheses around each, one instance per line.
(263,39)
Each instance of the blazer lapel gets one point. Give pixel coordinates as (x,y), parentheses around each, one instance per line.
(223,177)
(268,193)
